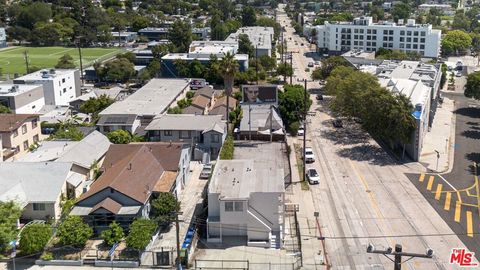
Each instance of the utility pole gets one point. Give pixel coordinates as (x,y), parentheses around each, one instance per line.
(256,61)
(398,254)
(249,123)
(291,66)
(271,123)
(25,56)
(177,227)
(304,128)
(81,63)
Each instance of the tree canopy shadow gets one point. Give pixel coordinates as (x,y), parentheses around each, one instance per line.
(472,123)
(472,134)
(475,157)
(347,135)
(468,111)
(367,152)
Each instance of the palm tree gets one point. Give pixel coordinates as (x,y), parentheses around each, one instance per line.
(228,69)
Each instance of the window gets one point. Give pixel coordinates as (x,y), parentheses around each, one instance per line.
(385,38)
(385,32)
(409,39)
(64,90)
(422,34)
(415,46)
(63,80)
(106,129)
(17,149)
(35,138)
(422,40)
(24,129)
(402,45)
(355,30)
(369,44)
(415,39)
(369,31)
(391,32)
(238,206)
(25,145)
(408,46)
(390,38)
(184,134)
(422,46)
(409,33)
(402,33)
(38,207)
(355,37)
(34,124)
(167,133)
(402,39)
(15,133)
(355,42)
(228,206)
(360,43)
(215,138)
(374,31)
(385,45)
(361,31)
(415,33)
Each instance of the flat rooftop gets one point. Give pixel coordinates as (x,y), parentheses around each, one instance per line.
(260,36)
(152,99)
(10,90)
(187,122)
(46,74)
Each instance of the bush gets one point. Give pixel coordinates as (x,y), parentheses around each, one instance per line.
(73,231)
(113,234)
(46,256)
(119,136)
(227,148)
(294,128)
(165,206)
(140,233)
(190,94)
(34,237)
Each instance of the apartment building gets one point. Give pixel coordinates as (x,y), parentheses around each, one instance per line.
(363,34)
(262,38)
(22,98)
(60,86)
(18,132)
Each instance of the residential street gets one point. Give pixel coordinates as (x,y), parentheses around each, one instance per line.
(364,197)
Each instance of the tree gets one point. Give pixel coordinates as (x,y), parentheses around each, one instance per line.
(284,69)
(228,69)
(226,153)
(267,62)
(10,212)
(95,105)
(113,234)
(196,69)
(245,46)
(119,136)
(377,13)
(455,42)
(34,237)
(160,50)
(140,233)
(34,13)
(65,62)
(4,109)
(130,56)
(165,206)
(117,70)
(460,21)
(249,17)
(329,64)
(73,231)
(180,35)
(291,103)
(67,131)
(270,22)
(472,88)
(401,11)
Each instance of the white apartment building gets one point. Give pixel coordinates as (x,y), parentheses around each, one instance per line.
(60,86)
(22,98)
(262,38)
(363,34)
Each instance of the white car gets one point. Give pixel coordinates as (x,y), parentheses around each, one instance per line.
(309,156)
(206,171)
(312,176)
(458,74)
(300,131)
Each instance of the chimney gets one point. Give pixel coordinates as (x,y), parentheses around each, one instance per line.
(129,166)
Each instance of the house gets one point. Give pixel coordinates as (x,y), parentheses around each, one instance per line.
(206,132)
(262,38)
(3,38)
(220,106)
(202,101)
(124,37)
(245,199)
(112,93)
(18,132)
(138,109)
(258,121)
(132,174)
(60,86)
(38,187)
(22,98)
(85,155)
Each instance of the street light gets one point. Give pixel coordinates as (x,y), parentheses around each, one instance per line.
(398,254)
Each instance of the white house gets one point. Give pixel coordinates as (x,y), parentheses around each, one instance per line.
(363,34)
(246,199)
(60,86)
(22,98)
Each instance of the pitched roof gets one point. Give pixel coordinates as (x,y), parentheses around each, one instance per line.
(107,204)
(193,110)
(10,122)
(223,102)
(135,169)
(200,101)
(86,151)
(205,91)
(184,122)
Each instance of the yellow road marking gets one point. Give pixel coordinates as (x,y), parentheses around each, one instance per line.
(448,198)
(469,224)
(438,192)
(458,208)
(422,177)
(430,182)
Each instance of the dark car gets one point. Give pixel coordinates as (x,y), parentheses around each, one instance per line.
(337,123)
(319,97)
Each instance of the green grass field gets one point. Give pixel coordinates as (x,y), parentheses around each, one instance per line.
(12,59)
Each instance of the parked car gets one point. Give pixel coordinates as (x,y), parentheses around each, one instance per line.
(337,123)
(309,156)
(313,177)
(319,97)
(311,64)
(301,44)
(458,74)
(317,63)
(300,131)
(206,171)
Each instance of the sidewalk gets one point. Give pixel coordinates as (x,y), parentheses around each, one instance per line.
(441,138)
(311,247)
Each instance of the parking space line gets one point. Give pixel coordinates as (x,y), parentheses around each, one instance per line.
(458,210)
(469,224)
(421,178)
(430,182)
(438,192)
(448,198)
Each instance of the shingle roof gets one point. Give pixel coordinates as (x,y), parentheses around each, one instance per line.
(135,169)
(205,91)
(193,110)
(10,122)
(200,101)
(107,204)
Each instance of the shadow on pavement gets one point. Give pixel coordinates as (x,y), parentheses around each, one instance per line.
(474,157)
(347,135)
(373,154)
(472,123)
(472,134)
(470,112)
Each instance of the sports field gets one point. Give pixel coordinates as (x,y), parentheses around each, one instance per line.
(12,59)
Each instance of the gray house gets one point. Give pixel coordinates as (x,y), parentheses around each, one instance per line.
(206,132)
(132,175)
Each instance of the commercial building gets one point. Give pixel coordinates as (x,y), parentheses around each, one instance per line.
(22,98)
(202,51)
(138,109)
(60,86)
(420,83)
(363,34)
(262,38)
(161,33)
(18,132)
(3,38)
(124,37)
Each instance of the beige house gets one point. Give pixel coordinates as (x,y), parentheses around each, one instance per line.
(18,132)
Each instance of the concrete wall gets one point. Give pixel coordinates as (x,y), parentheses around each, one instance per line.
(213,205)
(183,171)
(268,205)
